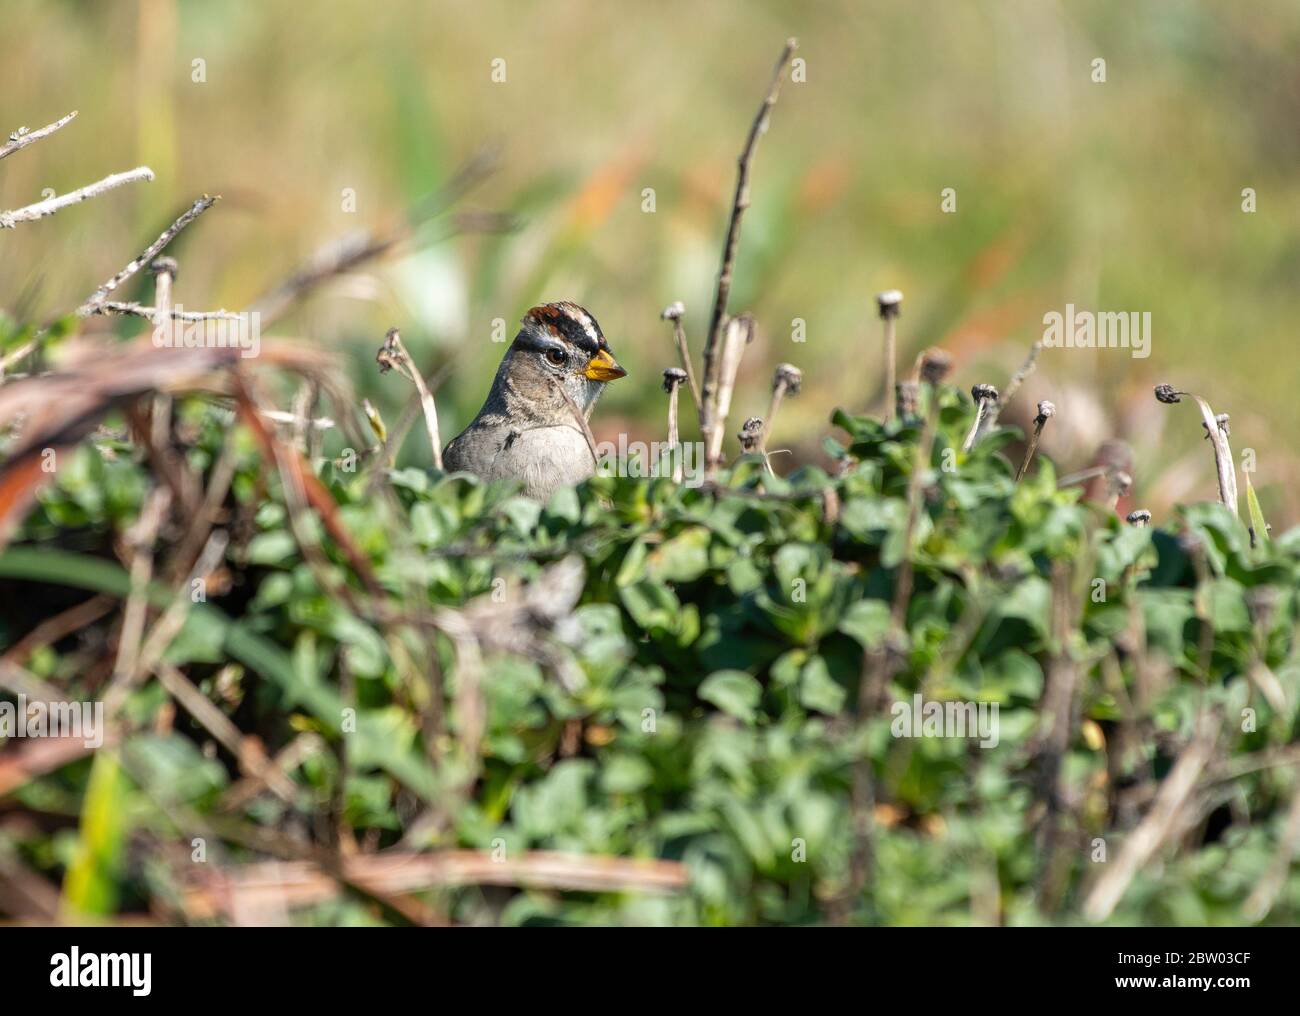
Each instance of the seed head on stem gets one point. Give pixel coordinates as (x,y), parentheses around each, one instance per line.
(751,435)
(674,312)
(986,397)
(1139,517)
(673,378)
(1216,429)
(890,304)
(933,365)
(1046,410)
(787,380)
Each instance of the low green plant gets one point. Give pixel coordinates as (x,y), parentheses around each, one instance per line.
(707,699)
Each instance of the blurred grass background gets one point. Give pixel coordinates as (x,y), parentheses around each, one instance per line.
(1122,196)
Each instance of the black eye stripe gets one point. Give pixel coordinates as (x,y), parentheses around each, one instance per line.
(541,343)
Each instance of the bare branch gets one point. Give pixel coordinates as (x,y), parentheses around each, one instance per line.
(673,312)
(152,251)
(140,310)
(712,364)
(22,137)
(393,354)
(51,205)
(738,334)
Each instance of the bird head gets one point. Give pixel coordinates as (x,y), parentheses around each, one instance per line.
(562,344)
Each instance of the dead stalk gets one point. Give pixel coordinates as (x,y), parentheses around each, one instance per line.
(49,206)
(712,422)
(986,397)
(890,304)
(1217,430)
(739,331)
(673,312)
(22,137)
(787,380)
(1046,411)
(673,378)
(392,354)
(164,271)
(169,234)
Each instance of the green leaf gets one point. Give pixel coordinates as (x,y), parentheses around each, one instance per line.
(683,558)
(734,692)
(91,885)
(1258,527)
(818,690)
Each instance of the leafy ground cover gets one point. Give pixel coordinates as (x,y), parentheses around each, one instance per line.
(704,678)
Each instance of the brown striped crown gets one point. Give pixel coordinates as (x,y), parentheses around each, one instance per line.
(569,322)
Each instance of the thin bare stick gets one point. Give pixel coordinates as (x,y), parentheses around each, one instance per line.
(163,270)
(710,423)
(153,313)
(55,204)
(393,354)
(739,331)
(251,758)
(26,349)
(1082,476)
(100,295)
(1045,412)
(986,398)
(673,378)
(280,416)
(22,137)
(890,305)
(673,312)
(1142,844)
(166,628)
(787,380)
(289,758)
(59,626)
(1216,429)
(140,537)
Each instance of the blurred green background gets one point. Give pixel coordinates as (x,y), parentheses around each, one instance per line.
(1117,196)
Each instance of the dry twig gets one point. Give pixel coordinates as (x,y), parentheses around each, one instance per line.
(49,206)
(673,312)
(712,423)
(99,296)
(1046,411)
(393,355)
(22,137)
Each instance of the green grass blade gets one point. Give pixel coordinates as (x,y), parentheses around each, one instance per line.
(1258,527)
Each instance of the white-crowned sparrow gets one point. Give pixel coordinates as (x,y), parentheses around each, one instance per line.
(532,427)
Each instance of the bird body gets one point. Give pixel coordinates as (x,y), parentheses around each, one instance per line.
(533,424)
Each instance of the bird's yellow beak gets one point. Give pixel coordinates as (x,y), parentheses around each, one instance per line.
(604,367)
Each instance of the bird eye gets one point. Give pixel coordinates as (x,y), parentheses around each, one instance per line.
(557,356)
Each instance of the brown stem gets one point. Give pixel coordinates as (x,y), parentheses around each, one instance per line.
(710,423)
